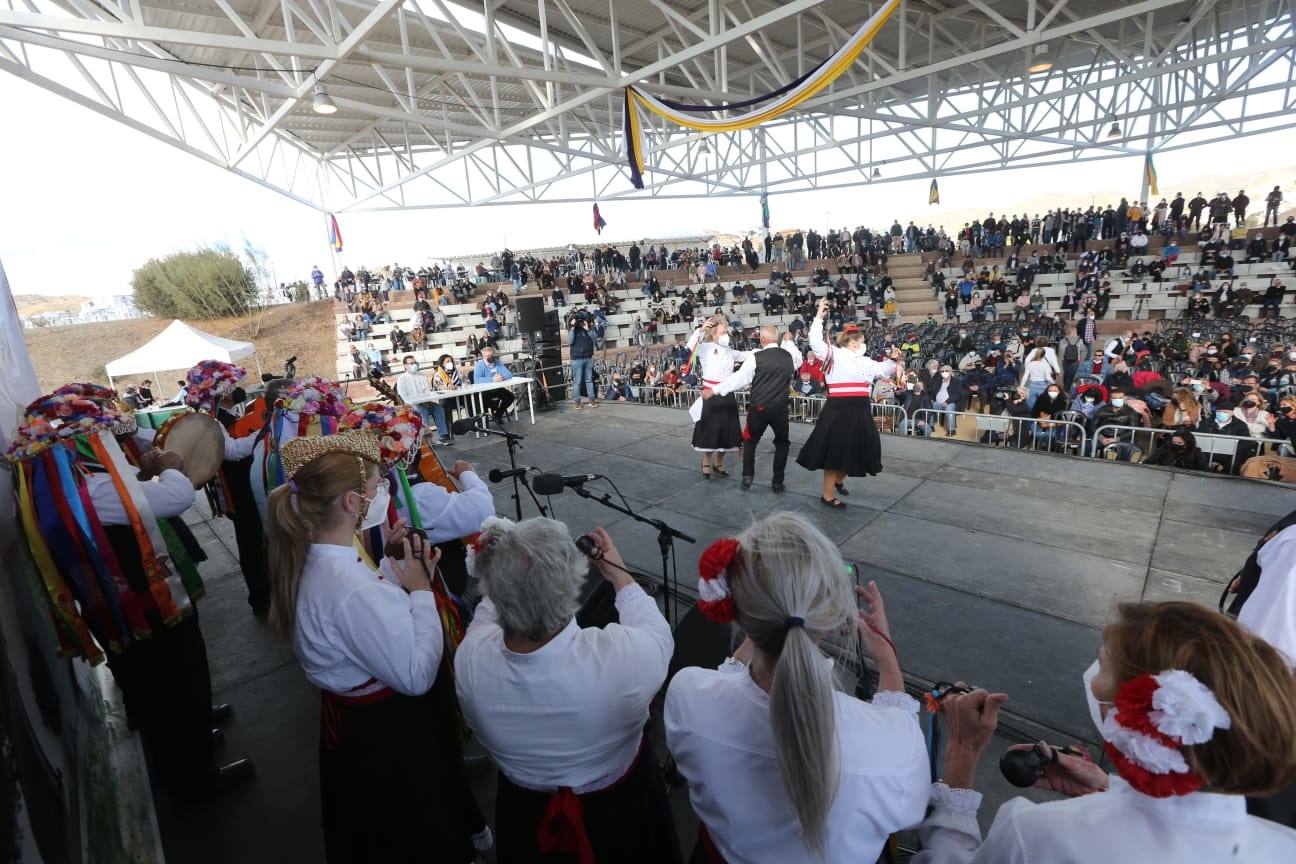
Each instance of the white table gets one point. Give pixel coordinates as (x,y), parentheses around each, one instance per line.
(476,395)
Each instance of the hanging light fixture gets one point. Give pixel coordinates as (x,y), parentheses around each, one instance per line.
(1041,62)
(704,151)
(1114,131)
(876,173)
(323,103)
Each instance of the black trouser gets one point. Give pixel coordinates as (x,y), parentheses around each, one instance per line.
(167,688)
(759,418)
(498,402)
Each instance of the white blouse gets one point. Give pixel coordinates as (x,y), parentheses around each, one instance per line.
(357,629)
(1119,826)
(718,729)
(449,515)
(848,374)
(570,714)
(1270,611)
(717,361)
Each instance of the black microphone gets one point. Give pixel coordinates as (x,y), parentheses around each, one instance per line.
(553,484)
(496,475)
(468,424)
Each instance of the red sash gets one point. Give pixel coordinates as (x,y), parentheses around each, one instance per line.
(335,702)
(562,827)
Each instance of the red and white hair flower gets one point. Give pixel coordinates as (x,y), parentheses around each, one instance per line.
(714,598)
(1153,717)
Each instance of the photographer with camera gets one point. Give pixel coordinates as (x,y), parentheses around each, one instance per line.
(580,344)
(561,708)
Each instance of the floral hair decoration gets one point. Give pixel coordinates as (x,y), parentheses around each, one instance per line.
(1154,716)
(209,382)
(60,416)
(714,598)
(398,428)
(312,396)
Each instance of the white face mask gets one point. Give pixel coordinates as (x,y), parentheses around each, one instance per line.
(1095,705)
(449,367)
(377,511)
(1118,403)
(723,340)
(411,367)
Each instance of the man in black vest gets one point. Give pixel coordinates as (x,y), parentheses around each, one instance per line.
(769,372)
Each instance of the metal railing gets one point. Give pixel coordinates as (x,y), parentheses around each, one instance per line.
(1227,451)
(1003,430)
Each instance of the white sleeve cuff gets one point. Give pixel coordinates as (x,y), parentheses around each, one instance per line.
(965,801)
(893,699)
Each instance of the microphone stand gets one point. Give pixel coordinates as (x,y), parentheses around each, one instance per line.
(665,542)
(514,442)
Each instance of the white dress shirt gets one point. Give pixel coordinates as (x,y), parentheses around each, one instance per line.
(747,371)
(572,712)
(1270,611)
(717,361)
(450,515)
(413,386)
(171,494)
(718,729)
(238,448)
(354,624)
(1119,826)
(852,374)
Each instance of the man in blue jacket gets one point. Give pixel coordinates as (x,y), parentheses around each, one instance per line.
(490,368)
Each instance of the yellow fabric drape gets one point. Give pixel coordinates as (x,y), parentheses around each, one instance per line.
(834,68)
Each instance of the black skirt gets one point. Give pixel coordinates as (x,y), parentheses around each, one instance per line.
(629,822)
(392,789)
(844,438)
(719,428)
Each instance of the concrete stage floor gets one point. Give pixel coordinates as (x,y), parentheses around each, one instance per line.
(998,567)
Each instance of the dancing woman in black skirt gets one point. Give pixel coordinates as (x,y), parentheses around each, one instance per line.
(845,441)
(391,775)
(719,430)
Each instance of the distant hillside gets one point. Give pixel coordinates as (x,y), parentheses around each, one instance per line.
(34,304)
(79,352)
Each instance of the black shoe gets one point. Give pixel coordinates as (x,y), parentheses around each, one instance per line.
(746,482)
(222,713)
(777,486)
(841,489)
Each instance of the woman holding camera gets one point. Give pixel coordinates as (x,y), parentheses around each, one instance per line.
(561,708)
(1195,713)
(718,430)
(782,766)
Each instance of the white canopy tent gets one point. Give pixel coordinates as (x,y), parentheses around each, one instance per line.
(179,346)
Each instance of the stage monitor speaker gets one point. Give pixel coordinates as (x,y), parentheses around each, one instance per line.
(549,372)
(551,333)
(530,314)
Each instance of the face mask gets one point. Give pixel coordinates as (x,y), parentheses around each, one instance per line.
(945,374)
(1248,405)
(1089,400)
(1053,394)
(1211,351)
(411,367)
(449,367)
(1222,417)
(1117,403)
(724,339)
(1095,706)
(377,509)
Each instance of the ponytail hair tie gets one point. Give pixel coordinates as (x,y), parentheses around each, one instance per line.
(292,486)
(793,621)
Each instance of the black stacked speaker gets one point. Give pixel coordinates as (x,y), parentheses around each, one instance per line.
(541,331)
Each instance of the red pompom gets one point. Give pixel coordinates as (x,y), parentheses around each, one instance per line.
(1134,704)
(719,611)
(717,557)
(1154,785)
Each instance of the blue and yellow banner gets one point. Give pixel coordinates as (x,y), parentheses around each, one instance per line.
(785,98)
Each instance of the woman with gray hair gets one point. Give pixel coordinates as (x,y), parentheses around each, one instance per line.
(561,708)
(781,765)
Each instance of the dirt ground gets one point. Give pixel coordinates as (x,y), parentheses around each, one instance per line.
(78,353)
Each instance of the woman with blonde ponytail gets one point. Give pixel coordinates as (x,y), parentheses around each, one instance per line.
(391,782)
(782,765)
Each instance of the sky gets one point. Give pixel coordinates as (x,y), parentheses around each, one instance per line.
(86,200)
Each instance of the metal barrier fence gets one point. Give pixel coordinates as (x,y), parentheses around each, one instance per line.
(1227,451)
(1025,433)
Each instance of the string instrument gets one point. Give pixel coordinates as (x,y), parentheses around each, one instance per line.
(426,464)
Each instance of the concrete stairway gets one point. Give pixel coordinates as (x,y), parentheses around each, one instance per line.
(912,294)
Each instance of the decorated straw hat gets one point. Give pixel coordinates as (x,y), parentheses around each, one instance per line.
(209,382)
(300,452)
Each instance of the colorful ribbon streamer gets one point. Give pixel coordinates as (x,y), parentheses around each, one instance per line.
(786,98)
